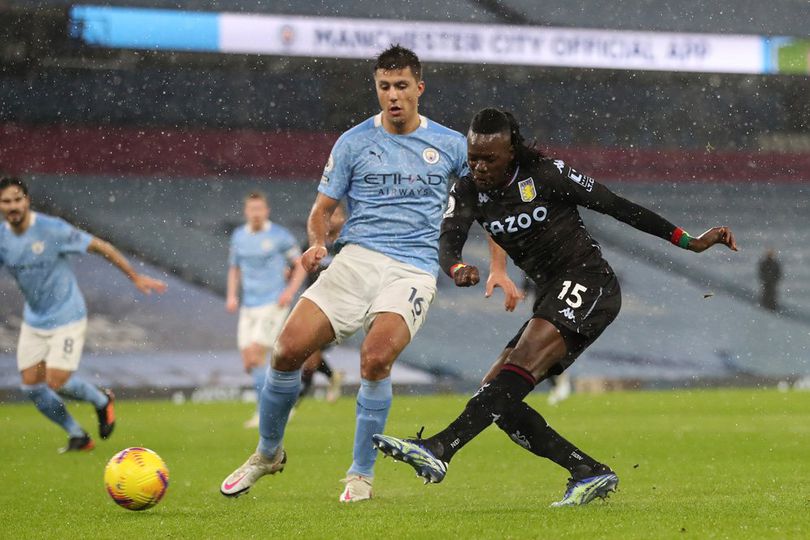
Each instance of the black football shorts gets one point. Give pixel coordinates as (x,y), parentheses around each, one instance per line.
(581,304)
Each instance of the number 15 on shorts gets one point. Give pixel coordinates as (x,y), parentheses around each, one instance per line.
(572,295)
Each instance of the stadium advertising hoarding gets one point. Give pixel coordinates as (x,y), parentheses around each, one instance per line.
(435,41)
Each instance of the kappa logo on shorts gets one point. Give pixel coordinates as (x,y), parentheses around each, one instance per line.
(568,313)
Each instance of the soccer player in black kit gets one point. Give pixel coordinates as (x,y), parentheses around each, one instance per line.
(528,203)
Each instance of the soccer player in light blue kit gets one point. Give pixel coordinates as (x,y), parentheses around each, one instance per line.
(393,170)
(259,257)
(34,248)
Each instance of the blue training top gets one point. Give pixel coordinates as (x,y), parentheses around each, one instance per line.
(262,258)
(396,187)
(38,261)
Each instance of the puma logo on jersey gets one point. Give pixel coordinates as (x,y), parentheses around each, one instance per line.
(568,313)
(513,224)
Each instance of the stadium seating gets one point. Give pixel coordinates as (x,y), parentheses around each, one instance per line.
(183,225)
(560,108)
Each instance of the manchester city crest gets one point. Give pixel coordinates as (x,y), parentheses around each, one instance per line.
(527,190)
(430,155)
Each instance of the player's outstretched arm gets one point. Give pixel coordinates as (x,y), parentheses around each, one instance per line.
(143,283)
(317,229)
(498,277)
(715,235)
(591,194)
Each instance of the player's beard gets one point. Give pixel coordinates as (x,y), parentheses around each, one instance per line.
(16,218)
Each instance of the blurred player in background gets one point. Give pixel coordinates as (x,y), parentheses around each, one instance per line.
(258,261)
(34,248)
(393,169)
(528,204)
(317,362)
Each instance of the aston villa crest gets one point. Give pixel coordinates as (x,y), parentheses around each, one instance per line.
(527,190)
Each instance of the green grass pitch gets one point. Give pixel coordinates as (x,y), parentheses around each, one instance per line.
(703,464)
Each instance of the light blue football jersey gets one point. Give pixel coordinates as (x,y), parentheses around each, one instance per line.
(38,261)
(262,258)
(395,187)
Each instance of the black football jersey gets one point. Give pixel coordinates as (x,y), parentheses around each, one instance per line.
(535,219)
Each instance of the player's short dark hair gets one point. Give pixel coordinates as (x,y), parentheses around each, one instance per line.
(8,181)
(398,57)
(491,120)
(256,196)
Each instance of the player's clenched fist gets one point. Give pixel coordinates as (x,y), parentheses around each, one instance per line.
(311,259)
(466,276)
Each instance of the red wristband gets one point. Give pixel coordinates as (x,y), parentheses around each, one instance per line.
(680,238)
(676,236)
(456,267)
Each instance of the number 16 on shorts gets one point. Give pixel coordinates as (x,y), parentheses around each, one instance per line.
(417,304)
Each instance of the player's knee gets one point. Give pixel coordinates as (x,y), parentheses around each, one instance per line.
(55,383)
(375,362)
(288,355)
(255,355)
(535,362)
(31,378)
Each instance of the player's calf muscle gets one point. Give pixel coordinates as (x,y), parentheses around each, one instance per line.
(540,347)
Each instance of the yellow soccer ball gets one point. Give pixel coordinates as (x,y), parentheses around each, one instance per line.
(136,478)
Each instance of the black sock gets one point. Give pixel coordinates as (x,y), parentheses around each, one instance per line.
(491,402)
(529,430)
(324,368)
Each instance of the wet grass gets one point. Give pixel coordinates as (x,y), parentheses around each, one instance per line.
(707,464)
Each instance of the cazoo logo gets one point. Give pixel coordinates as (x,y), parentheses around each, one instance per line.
(513,224)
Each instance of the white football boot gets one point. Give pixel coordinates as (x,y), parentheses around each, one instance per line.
(253,422)
(561,390)
(335,387)
(243,478)
(358,488)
